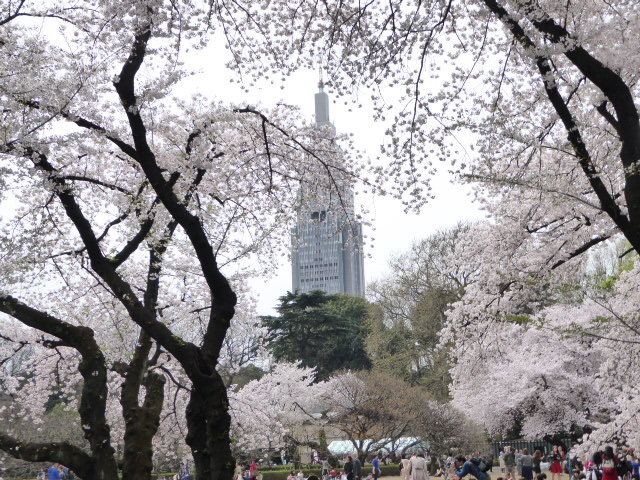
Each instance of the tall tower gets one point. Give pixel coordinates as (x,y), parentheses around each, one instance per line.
(326,251)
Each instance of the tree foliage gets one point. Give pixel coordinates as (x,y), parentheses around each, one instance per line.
(321,331)
(125,208)
(410,310)
(536,103)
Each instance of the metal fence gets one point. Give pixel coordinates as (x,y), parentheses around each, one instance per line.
(532,445)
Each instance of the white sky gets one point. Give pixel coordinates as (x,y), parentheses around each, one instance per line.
(394,230)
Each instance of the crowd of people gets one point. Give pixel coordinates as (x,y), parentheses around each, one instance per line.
(60,472)
(604,464)
(56,472)
(514,464)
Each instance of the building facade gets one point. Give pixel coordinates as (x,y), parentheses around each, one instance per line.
(327,241)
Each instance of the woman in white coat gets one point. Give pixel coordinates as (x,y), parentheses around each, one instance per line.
(418,467)
(405,471)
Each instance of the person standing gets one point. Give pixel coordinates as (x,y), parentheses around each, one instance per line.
(518,456)
(325,469)
(237,472)
(556,465)
(253,469)
(609,464)
(348,468)
(635,467)
(376,467)
(418,467)
(537,460)
(405,470)
(509,462)
(527,464)
(357,469)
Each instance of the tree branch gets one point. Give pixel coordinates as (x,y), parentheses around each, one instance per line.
(63,452)
(223,296)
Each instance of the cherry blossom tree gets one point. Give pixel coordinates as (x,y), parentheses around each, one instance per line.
(372,409)
(534,102)
(267,414)
(124,205)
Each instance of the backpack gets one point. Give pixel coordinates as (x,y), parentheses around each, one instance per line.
(594,474)
(482,463)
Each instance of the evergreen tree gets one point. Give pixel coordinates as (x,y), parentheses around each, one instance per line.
(320,330)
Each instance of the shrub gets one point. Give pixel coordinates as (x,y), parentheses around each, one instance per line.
(391,470)
(283,474)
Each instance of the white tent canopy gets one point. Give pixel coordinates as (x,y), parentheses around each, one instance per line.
(345,447)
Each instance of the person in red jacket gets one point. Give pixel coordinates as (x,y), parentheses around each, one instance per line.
(556,465)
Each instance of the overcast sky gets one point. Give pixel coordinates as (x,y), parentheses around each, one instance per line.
(393,230)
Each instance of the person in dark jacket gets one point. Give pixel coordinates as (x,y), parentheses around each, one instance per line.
(348,468)
(463,467)
(357,469)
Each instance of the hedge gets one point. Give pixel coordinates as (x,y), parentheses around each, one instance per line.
(391,470)
(281,472)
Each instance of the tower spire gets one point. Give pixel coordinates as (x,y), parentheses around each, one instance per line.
(322,103)
(320,79)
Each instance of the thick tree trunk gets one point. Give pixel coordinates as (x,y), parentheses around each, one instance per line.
(209,424)
(197,434)
(141,425)
(104,467)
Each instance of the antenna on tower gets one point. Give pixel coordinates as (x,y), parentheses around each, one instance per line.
(320,76)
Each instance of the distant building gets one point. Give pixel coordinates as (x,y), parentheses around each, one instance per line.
(327,242)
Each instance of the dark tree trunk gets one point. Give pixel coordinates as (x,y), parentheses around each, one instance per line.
(141,425)
(209,424)
(197,433)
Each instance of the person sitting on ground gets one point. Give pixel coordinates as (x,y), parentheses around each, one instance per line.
(185,472)
(54,472)
(464,467)
(292,475)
